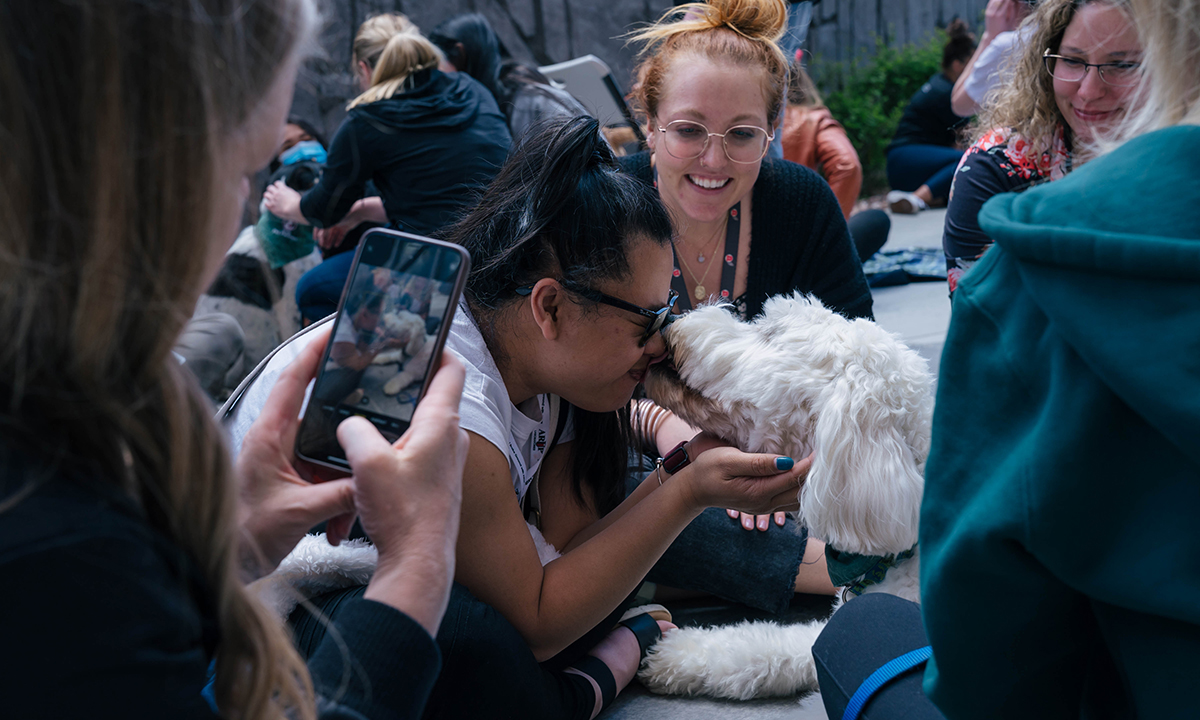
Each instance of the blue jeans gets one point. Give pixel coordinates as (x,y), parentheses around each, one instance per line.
(320,289)
(911,166)
(715,555)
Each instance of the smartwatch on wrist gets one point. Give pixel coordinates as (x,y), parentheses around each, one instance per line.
(677,459)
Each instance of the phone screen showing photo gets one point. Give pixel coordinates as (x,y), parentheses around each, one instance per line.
(398,303)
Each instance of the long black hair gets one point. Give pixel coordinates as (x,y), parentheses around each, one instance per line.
(479,54)
(560,207)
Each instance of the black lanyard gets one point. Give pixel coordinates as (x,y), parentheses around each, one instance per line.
(728,260)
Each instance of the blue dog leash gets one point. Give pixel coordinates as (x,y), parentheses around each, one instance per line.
(883,676)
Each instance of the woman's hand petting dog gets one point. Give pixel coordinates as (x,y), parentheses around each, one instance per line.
(704,441)
(283,202)
(748,482)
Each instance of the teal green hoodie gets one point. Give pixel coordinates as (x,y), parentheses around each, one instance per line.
(1060,529)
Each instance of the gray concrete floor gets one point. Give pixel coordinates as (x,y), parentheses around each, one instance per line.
(920,314)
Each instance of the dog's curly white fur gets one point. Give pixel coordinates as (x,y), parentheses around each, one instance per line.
(315,567)
(799,379)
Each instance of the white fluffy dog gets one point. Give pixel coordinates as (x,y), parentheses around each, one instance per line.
(800,379)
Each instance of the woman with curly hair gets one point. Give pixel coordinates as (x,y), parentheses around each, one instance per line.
(1059,569)
(1074,81)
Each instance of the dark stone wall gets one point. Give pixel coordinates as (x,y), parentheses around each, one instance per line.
(539,32)
(543,32)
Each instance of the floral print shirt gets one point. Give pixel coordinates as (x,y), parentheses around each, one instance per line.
(999,162)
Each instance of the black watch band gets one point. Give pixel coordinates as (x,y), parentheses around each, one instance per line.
(677,459)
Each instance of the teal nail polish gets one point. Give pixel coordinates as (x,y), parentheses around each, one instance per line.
(784,463)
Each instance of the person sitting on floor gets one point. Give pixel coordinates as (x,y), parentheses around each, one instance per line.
(814,139)
(127,535)
(925,150)
(1060,562)
(560,321)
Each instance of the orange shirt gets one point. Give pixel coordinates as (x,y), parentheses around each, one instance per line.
(812,138)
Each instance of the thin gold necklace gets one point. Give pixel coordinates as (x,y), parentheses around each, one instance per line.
(699,292)
(700,257)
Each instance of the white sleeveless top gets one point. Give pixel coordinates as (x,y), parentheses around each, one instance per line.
(523,433)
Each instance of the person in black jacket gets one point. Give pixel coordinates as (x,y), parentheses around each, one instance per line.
(126,534)
(429,140)
(925,149)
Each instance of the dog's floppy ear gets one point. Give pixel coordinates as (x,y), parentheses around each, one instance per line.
(863,493)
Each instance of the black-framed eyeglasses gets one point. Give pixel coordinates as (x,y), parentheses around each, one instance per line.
(659,319)
(1069,69)
(743,144)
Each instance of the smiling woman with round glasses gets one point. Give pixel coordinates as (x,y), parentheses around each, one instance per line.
(1072,84)
(711,85)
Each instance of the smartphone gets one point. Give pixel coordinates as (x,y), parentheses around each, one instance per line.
(387,340)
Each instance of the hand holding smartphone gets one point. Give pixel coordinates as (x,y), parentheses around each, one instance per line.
(386,342)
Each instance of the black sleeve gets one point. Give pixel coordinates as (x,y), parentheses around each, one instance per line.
(838,279)
(380,664)
(100,627)
(980,177)
(344,180)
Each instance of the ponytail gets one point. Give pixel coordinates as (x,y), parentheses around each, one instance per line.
(394,48)
(560,206)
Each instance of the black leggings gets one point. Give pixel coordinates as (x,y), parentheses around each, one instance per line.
(488,671)
(862,636)
(869,229)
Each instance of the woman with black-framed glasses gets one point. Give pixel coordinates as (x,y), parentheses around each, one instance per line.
(1074,80)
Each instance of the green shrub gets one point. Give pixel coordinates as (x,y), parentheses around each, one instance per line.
(868,97)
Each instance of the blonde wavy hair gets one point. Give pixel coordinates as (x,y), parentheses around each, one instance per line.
(395,50)
(106,221)
(1026,104)
(738,32)
(1170,94)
